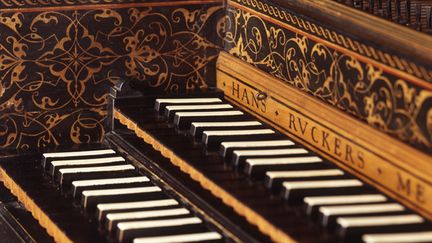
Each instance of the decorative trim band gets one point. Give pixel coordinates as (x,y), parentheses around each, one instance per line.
(52,229)
(31,5)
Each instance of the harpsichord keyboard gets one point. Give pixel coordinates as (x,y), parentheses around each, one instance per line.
(286,184)
(97,195)
(101,195)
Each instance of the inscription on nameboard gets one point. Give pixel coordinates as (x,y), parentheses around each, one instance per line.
(332,134)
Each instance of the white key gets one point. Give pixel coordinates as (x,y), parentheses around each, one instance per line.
(252,144)
(85,162)
(303,173)
(198,107)
(78,153)
(208,113)
(283,161)
(424,236)
(148,224)
(102,207)
(270,152)
(194,237)
(344,199)
(65,171)
(238,132)
(110,181)
(75,154)
(361,209)
(121,191)
(322,184)
(226,124)
(350,199)
(366,221)
(144,214)
(185,100)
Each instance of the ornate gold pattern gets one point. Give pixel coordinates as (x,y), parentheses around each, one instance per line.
(384,101)
(57,66)
(363,49)
(42,3)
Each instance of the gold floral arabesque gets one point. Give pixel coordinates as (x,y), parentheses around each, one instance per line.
(391,60)
(56,67)
(384,101)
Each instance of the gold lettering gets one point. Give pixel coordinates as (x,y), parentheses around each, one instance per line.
(245,95)
(313,135)
(302,129)
(292,122)
(263,106)
(348,153)
(236,89)
(325,143)
(337,144)
(361,163)
(254,101)
(420,194)
(404,185)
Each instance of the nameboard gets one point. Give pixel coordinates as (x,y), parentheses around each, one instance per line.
(393,167)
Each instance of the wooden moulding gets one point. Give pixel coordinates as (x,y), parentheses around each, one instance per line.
(395,168)
(107,4)
(254,218)
(30,205)
(352,21)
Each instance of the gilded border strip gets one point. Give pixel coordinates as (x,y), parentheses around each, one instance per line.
(401,66)
(36,211)
(108,5)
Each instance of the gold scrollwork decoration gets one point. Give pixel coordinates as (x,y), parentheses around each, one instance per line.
(344,41)
(380,99)
(56,67)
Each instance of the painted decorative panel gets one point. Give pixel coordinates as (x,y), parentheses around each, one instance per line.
(57,64)
(329,71)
